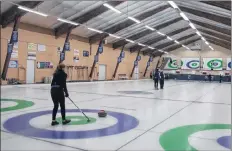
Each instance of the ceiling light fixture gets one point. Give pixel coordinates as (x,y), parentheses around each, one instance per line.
(148,27)
(203,38)
(130,41)
(67,21)
(183,15)
(135,20)
(169,38)
(193,27)
(161,33)
(32,11)
(112,8)
(114,36)
(199,34)
(176,42)
(173,4)
(151,47)
(206,43)
(141,44)
(95,30)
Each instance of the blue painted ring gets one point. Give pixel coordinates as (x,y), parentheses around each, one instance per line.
(20,125)
(225,141)
(192,61)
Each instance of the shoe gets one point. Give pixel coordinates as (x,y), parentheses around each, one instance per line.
(54,123)
(66,122)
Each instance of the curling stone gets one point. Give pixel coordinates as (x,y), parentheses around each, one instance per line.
(102,113)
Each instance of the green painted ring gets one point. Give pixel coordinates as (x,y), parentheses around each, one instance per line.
(82,120)
(21,104)
(210,66)
(177,138)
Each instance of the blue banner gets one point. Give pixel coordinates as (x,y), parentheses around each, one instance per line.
(138,58)
(151,59)
(148,63)
(85,53)
(100,48)
(9,48)
(122,55)
(13,64)
(67,46)
(119,59)
(136,63)
(14,36)
(62,56)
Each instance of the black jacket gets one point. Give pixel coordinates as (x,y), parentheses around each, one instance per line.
(59,79)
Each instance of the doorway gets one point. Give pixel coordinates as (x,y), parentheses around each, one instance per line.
(30,76)
(102,72)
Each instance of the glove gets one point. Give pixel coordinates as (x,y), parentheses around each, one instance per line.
(66,95)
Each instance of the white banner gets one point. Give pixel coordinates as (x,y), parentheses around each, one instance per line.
(212,63)
(190,63)
(174,65)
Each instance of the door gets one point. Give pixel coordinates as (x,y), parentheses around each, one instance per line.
(102,72)
(30,76)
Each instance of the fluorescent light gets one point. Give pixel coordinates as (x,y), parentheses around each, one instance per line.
(112,8)
(95,30)
(184,46)
(67,21)
(114,36)
(211,48)
(173,4)
(151,47)
(169,38)
(206,43)
(148,27)
(135,20)
(198,33)
(141,44)
(130,41)
(160,50)
(183,15)
(161,33)
(176,42)
(193,27)
(203,38)
(32,11)
(166,52)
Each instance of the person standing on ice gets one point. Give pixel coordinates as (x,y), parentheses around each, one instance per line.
(58,93)
(161,80)
(156,78)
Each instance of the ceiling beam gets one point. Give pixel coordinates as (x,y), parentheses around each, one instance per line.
(127,23)
(163,45)
(219,42)
(222,4)
(144,33)
(135,48)
(219,19)
(216,28)
(179,45)
(220,36)
(8,17)
(157,39)
(63,28)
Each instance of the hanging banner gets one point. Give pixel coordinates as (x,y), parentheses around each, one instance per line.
(15,36)
(119,59)
(228,67)
(44,65)
(13,64)
(190,63)
(14,54)
(67,46)
(76,55)
(85,53)
(212,63)
(9,48)
(62,56)
(31,55)
(32,46)
(173,65)
(138,58)
(122,55)
(41,47)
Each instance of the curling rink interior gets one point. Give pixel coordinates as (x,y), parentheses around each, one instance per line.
(183,116)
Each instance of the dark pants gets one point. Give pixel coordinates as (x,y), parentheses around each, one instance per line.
(161,83)
(156,83)
(58,98)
